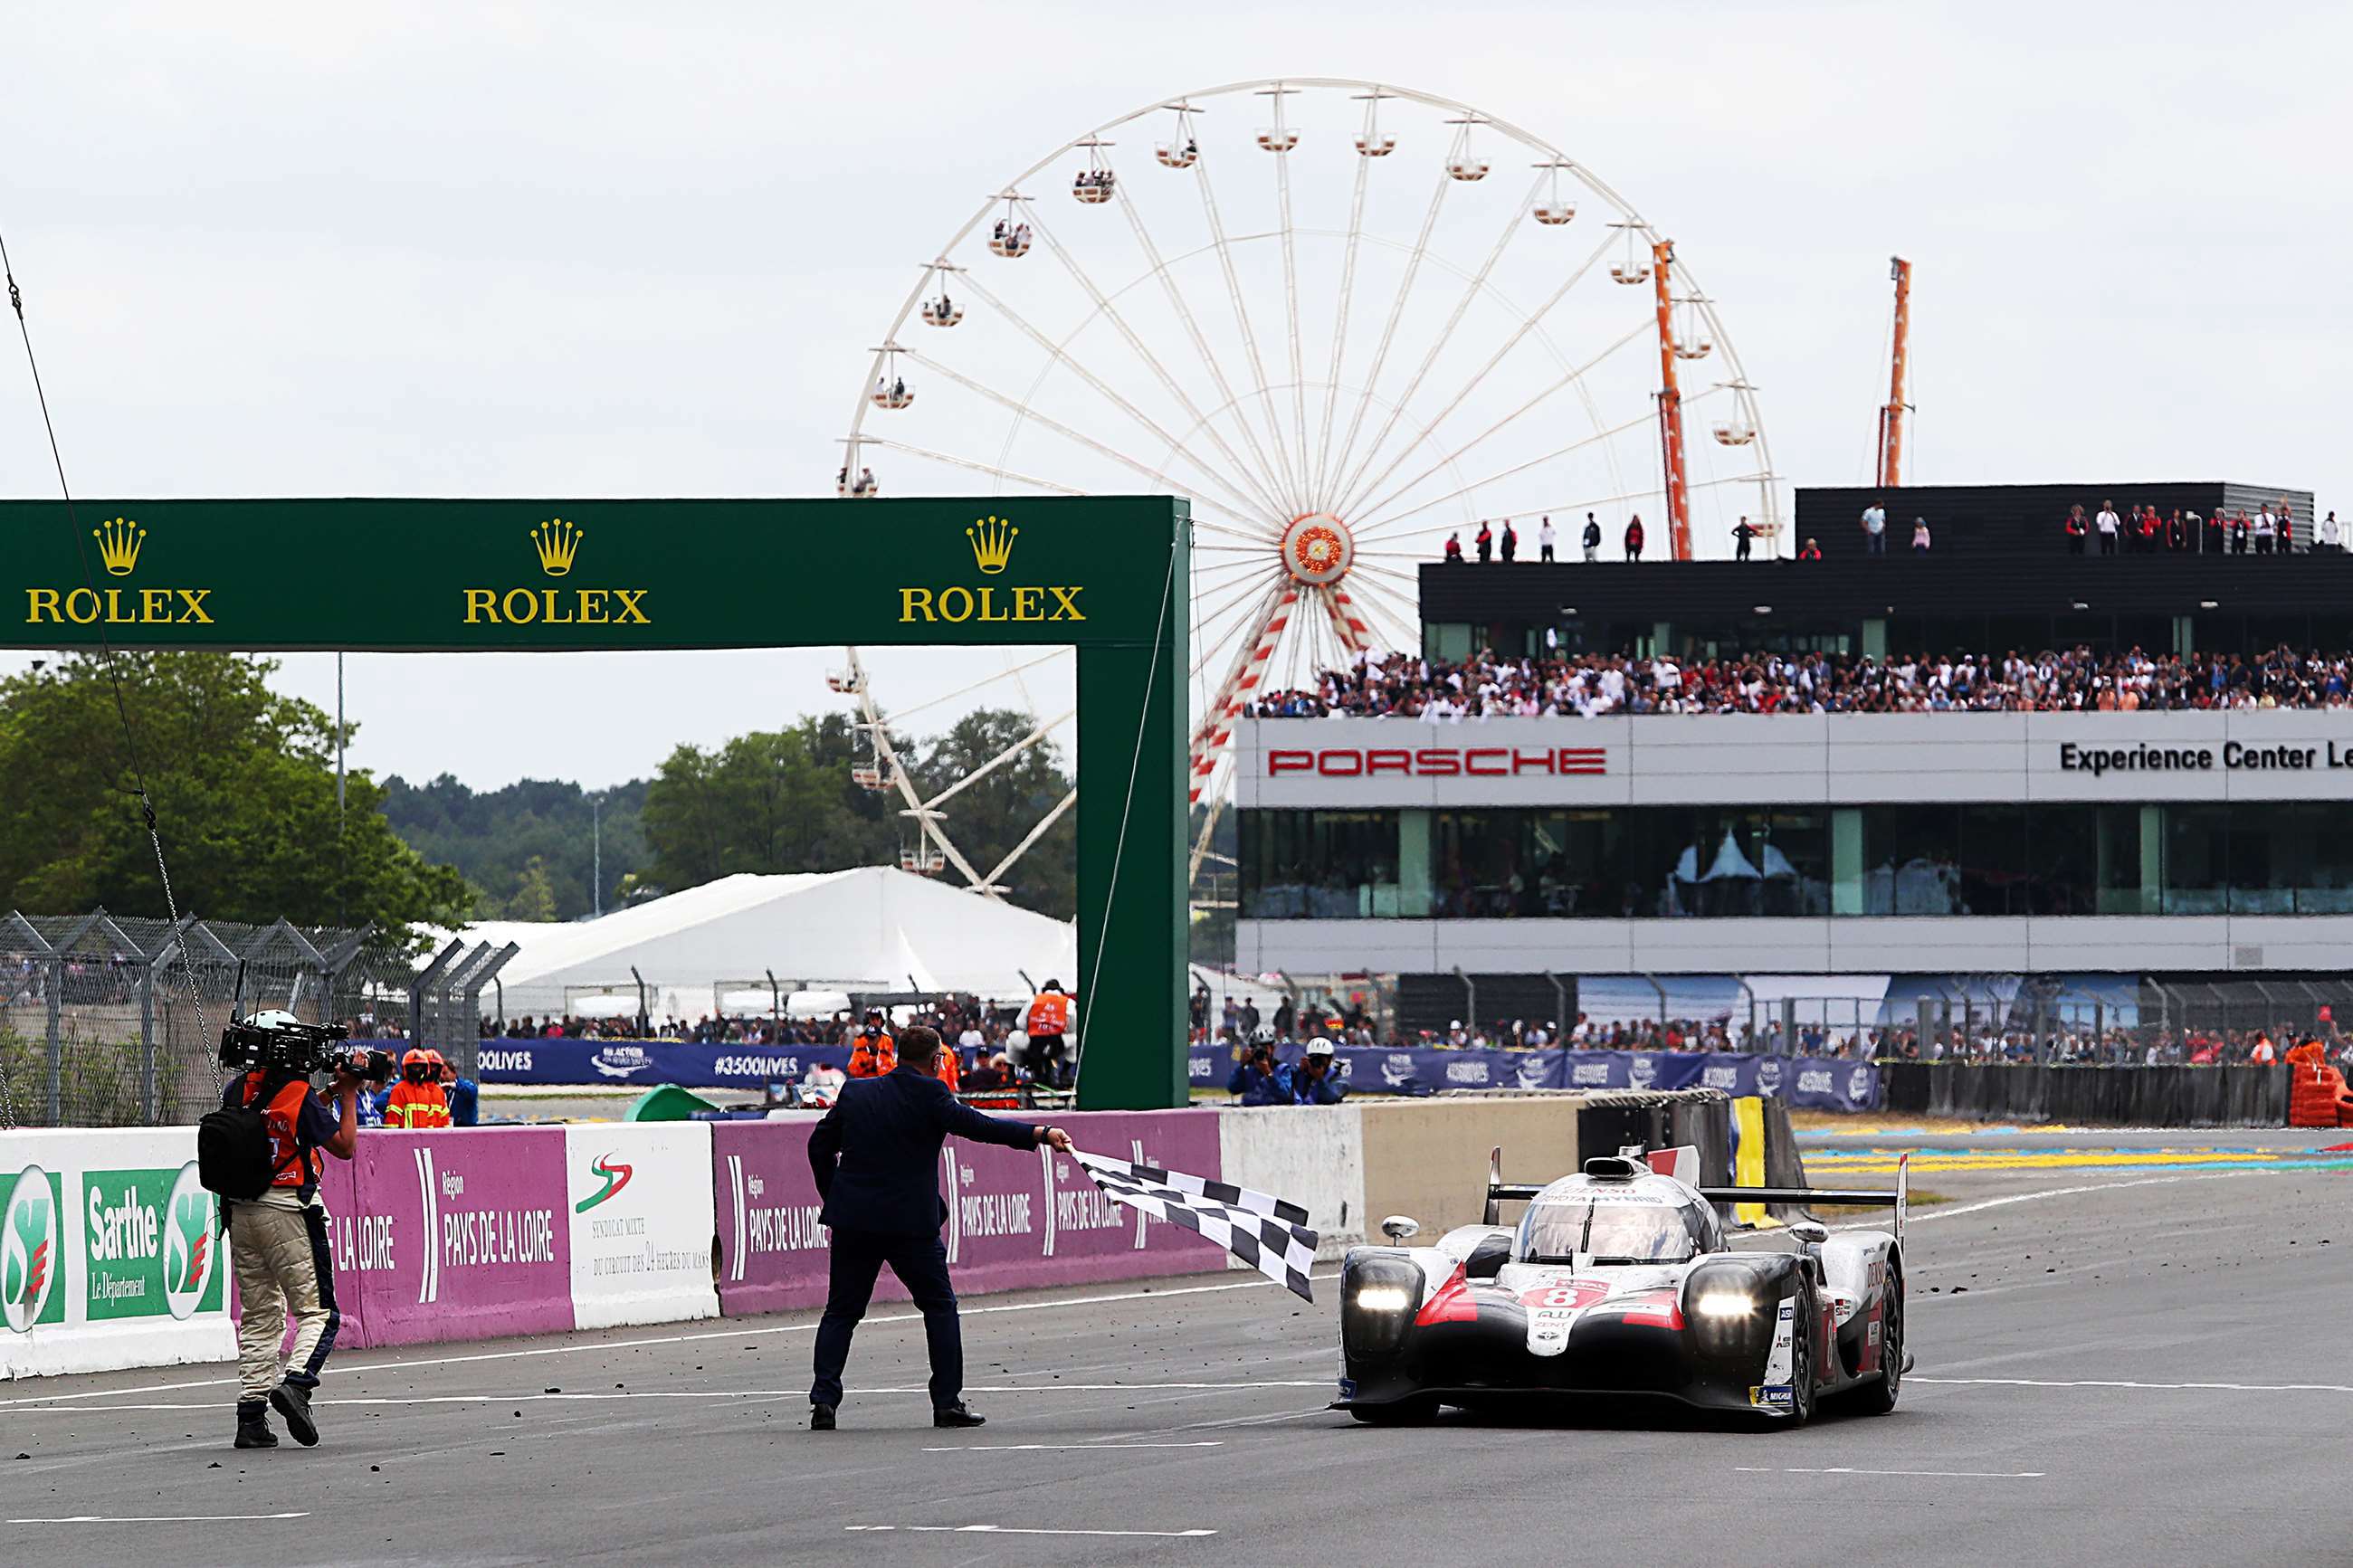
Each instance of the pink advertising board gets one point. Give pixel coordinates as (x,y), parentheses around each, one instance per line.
(458,1234)
(1015,1219)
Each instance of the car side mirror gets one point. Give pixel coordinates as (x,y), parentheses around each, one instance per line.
(1398,1228)
(1810,1232)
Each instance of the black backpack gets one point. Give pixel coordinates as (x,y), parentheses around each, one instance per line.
(233,1153)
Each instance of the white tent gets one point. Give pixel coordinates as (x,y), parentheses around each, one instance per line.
(873,928)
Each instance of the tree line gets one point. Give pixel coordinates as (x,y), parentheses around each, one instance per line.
(243,785)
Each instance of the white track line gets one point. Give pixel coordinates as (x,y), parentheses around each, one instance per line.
(2159,1387)
(1062,1448)
(162,1519)
(1015,1529)
(749,1394)
(345,1369)
(1940,1475)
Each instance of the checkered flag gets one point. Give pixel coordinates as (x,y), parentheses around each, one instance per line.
(1263,1231)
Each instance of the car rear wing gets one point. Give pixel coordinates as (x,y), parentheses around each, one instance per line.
(1501,1192)
(1899,1199)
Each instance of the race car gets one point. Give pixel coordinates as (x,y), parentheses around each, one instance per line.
(1618,1282)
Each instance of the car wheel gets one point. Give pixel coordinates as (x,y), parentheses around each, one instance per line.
(1403,1413)
(1878,1397)
(1801,1359)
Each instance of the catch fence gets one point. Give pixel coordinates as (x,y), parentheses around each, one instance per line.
(114,1020)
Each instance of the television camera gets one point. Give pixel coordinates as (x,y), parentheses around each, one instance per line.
(277,1042)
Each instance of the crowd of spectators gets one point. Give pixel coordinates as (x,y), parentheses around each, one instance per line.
(1408,686)
(1982,1043)
(2269,528)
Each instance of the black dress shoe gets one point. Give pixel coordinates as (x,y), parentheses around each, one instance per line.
(820,1417)
(956,1415)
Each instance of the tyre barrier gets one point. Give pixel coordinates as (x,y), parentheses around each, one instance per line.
(2318,1097)
(2110,1096)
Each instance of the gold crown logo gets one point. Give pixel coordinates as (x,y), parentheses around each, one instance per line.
(992,544)
(557,542)
(118,545)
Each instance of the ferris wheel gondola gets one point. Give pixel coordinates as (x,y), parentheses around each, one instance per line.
(1335,355)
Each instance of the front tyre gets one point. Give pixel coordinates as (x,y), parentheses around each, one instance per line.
(1414,1411)
(1801,1358)
(1878,1398)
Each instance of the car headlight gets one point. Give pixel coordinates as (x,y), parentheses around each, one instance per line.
(1379,1293)
(1724,1304)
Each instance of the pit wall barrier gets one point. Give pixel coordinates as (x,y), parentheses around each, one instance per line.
(1016,1218)
(2112,1096)
(477,1233)
(108,1254)
(1312,1155)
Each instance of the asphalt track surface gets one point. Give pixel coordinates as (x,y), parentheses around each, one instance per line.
(2144,1365)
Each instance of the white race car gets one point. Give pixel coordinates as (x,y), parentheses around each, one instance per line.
(1618,1282)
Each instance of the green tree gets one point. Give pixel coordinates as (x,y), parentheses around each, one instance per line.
(987,817)
(770,801)
(534,894)
(243,785)
(492,835)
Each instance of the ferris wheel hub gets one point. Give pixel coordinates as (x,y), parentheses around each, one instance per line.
(1318,549)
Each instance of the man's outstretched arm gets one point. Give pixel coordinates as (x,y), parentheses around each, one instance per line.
(963,1121)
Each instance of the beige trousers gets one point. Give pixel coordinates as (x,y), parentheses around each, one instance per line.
(282,1264)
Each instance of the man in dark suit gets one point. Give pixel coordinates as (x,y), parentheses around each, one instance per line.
(876,1157)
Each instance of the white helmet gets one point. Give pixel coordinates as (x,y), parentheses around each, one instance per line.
(272,1019)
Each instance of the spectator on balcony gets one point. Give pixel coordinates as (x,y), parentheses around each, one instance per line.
(2109,526)
(2286,515)
(2328,536)
(1592,538)
(1810,552)
(1454,548)
(1634,538)
(2267,531)
(1874,527)
(1511,540)
(2177,532)
(1486,542)
(1741,534)
(2079,528)
(1919,536)
(2241,528)
(1545,539)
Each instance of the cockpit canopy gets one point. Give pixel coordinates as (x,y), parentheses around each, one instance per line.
(1616,1223)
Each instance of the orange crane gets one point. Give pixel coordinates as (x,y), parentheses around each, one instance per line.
(1890,418)
(1671,406)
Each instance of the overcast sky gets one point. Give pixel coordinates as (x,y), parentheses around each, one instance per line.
(586,249)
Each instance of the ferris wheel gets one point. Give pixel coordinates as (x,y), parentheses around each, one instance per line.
(1348,321)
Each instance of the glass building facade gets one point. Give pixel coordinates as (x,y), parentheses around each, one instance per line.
(2257,857)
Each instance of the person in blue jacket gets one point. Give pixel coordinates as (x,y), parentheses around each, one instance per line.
(1258,1079)
(465,1096)
(876,1159)
(1311,1081)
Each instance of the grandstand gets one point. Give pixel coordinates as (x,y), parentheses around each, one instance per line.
(2101,781)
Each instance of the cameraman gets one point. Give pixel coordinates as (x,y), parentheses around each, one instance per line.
(277,1243)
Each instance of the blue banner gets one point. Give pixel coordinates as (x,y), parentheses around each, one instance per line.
(649,1062)
(1818,1083)
(1825,1083)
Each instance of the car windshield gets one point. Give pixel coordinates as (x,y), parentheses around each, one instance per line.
(1648,1233)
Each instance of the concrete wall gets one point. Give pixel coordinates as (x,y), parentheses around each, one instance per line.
(1428,1158)
(1312,1155)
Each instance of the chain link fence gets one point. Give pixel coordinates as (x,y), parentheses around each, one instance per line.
(115,1021)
